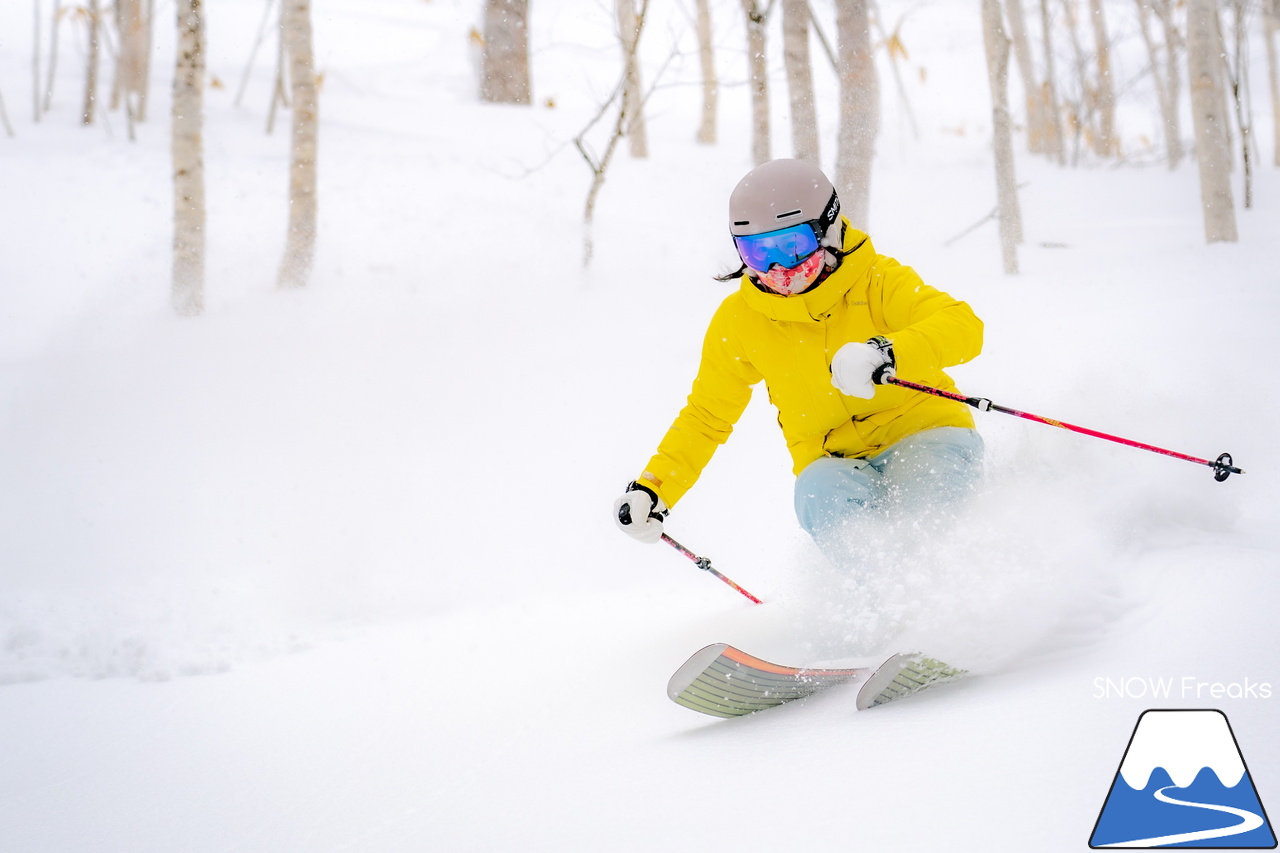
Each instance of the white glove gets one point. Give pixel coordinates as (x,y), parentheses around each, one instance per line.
(857,369)
(639,514)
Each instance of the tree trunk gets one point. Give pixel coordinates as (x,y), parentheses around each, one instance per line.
(629,26)
(1082,111)
(1238,84)
(1271,23)
(35,68)
(91,61)
(710,84)
(759,75)
(300,242)
(1166,82)
(1054,145)
(804,113)
(1173,79)
(132,58)
(859,110)
(4,118)
(1010,215)
(1204,65)
(53,56)
(188,161)
(504,74)
(1106,144)
(1037,133)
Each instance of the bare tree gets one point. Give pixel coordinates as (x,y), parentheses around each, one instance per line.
(896,51)
(132,59)
(1238,83)
(4,118)
(188,161)
(1037,133)
(600,165)
(710,84)
(859,110)
(279,93)
(759,75)
(53,56)
(1055,147)
(1204,66)
(504,77)
(1106,143)
(1271,24)
(1167,77)
(91,65)
(630,23)
(300,243)
(795,52)
(35,69)
(1081,111)
(1010,215)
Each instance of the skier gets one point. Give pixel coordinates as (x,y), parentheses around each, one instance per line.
(824,320)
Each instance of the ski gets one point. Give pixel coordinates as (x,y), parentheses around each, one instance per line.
(904,675)
(723,681)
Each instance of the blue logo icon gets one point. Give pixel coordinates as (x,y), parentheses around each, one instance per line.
(1183,783)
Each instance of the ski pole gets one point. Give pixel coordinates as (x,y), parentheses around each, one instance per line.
(705,564)
(1222,466)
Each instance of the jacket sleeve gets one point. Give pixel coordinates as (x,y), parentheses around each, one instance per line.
(720,393)
(929,329)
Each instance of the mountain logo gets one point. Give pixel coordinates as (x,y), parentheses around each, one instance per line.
(1183,783)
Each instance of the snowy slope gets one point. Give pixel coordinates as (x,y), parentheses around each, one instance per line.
(334,569)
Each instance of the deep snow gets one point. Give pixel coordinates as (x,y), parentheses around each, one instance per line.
(334,569)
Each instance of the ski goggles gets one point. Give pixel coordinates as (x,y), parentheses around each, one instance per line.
(787,247)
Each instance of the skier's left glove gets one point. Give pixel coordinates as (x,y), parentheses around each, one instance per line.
(857,369)
(639,513)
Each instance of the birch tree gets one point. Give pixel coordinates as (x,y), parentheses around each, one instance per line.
(91,65)
(188,161)
(795,51)
(35,69)
(1204,67)
(133,23)
(504,74)
(758,72)
(300,242)
(859,110)
(710,83)
(629,27)
(1165,74)
(4,118)
(1037,133)
(1009,213)
(1055,146)
(53,56)
(1237,79)
(1271,23)
(1106,143)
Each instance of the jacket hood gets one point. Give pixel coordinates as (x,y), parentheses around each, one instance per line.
(813,305)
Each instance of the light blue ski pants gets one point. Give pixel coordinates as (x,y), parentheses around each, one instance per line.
(934,467)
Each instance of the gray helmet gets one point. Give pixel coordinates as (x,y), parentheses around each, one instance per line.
(782,193)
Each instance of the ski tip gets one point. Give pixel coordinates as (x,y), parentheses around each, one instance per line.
(902,675)
(693,667)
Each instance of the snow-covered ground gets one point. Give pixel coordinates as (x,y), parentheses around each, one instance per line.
(333,569)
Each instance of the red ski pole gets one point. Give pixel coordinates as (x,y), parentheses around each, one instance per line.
(1222,466)
(705,564)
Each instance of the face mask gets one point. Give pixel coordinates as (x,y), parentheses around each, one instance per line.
(788,281)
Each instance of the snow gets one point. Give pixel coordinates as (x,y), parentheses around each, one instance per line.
(1184,743)
(334,569)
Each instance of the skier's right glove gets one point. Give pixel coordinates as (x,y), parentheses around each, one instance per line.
(857,369)
(639,513)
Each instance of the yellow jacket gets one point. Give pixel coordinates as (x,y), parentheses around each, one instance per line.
(789,342)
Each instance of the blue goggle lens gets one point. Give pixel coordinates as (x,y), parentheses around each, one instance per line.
(786,246)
